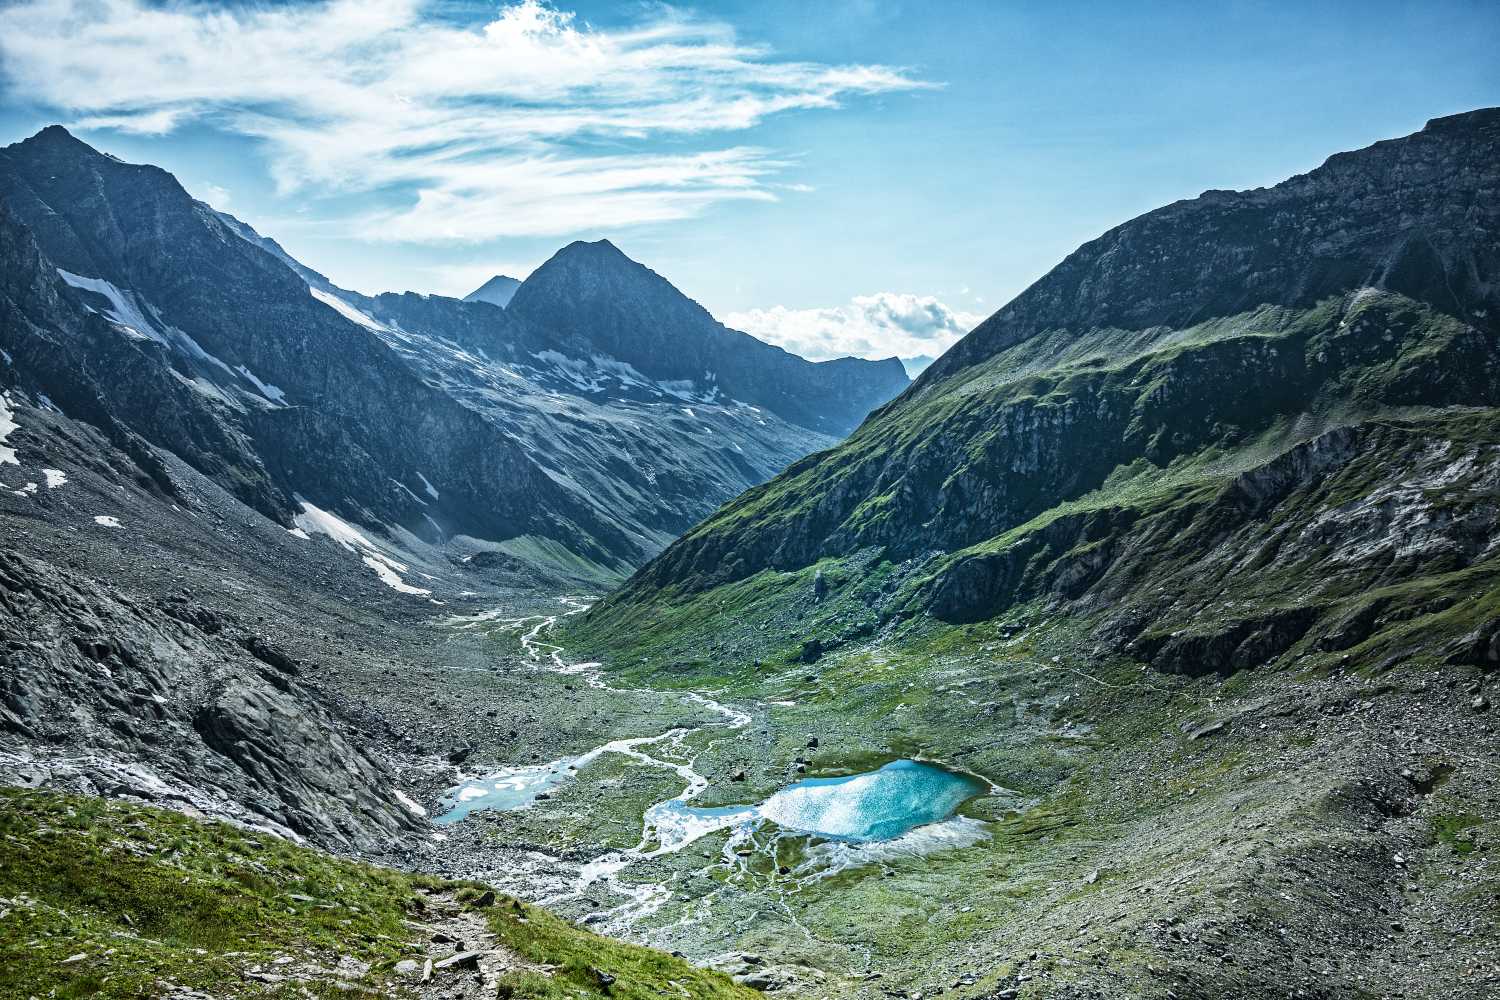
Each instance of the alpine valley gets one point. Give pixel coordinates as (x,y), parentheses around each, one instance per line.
(559,641)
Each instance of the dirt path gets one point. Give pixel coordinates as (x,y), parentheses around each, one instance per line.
(464,957)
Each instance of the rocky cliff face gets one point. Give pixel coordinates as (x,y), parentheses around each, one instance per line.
(314,405)
(1111,419)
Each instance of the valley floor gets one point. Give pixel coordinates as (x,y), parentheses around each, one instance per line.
(1313,834)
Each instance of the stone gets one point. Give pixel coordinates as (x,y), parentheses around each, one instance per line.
(1480,703)
(761,980)
(1205,730)
(407,967)
(462,960)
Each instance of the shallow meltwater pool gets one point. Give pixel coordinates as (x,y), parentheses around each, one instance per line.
(505,789)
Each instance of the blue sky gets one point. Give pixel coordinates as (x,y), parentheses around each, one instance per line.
(851,176)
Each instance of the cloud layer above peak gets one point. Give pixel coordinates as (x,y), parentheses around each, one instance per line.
(915,328)
(525,124)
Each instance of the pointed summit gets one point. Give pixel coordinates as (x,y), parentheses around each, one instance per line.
(54,139)
(594,293)
(497,291)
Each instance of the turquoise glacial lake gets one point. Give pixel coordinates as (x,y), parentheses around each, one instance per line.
(862,808)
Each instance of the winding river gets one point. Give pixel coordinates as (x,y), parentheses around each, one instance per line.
(902,809)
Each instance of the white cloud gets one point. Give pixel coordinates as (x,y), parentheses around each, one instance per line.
(882,325)
(529,124)
(216,196)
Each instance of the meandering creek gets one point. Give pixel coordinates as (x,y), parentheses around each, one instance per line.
(904,808)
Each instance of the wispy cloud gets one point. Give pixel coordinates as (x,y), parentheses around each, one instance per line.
(529,123)
(882,325)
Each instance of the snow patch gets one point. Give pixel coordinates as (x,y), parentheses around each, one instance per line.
(55,478)
(347,311)
(385,568)
(124,311)
(431,491)
(407,490)
(317,521)
(105,521)
(25,491)
(7,424)
(411,804)
(140,321)
(271,392)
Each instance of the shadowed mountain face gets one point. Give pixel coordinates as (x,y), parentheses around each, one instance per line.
(442,417)
(1199,388)
(631,313)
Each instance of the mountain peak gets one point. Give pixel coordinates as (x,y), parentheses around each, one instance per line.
(591,254)
(56,137)
(497,291)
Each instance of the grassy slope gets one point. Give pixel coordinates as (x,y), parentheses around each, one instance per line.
(151,898)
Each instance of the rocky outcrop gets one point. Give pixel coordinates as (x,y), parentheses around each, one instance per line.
(157,700)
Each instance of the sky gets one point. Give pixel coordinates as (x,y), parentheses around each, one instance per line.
(867,177)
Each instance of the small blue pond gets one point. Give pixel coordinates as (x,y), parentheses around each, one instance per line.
(876,805)
(506,789)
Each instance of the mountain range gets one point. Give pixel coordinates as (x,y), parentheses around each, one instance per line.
(546,427)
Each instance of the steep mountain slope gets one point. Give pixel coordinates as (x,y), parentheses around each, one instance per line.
(646,455)
(498,291)
(1192,384)
(632,314)
(316,405)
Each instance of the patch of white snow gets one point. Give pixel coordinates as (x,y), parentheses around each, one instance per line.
(315,520)
(123,311)
(347,311)
(412,805)
(7,424)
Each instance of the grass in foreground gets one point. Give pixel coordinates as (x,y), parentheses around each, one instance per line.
(107,899)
